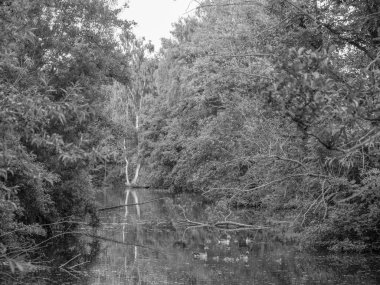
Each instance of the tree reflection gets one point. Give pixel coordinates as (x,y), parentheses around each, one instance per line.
(149,251)
(130,233)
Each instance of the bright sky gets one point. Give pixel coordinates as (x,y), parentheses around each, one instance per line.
(154,18)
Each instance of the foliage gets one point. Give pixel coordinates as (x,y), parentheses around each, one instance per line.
(273,106)
(54,58)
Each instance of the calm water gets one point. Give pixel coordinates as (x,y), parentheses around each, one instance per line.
(149,245)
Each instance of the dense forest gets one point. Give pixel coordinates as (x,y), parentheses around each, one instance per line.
(266,107)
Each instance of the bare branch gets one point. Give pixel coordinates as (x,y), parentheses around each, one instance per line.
(280,180)
(362,143)
(62,265)
(311,206)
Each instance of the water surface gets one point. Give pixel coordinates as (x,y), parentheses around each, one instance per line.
(163,251)
(150,244)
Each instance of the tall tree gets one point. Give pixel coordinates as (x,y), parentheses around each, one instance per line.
(127,101)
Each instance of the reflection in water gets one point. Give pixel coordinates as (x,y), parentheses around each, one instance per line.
(130,234)
(153,248)
(157,250)
(135,201)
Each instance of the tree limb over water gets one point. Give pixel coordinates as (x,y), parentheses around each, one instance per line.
(126,205)
(225,225)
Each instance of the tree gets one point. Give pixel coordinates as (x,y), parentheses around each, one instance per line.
(273,106)
(54,57)
(125,102)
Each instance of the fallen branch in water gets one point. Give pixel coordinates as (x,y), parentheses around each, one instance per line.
(189,223)
(126,205)
(236,226)
(225,225)
(67,262)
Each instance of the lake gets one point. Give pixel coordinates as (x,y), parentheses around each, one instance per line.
(152,244)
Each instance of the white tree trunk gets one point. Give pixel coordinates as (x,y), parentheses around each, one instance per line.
(137,108)
(134,181)
(126,165)
(137,122)
(135,197)
(137,170)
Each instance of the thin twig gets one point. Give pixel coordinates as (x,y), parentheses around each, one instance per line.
(63,269)
(79,264)
(280,180)
(311,206)
(229,214)
(266,184)
(362,143)
(70,260)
